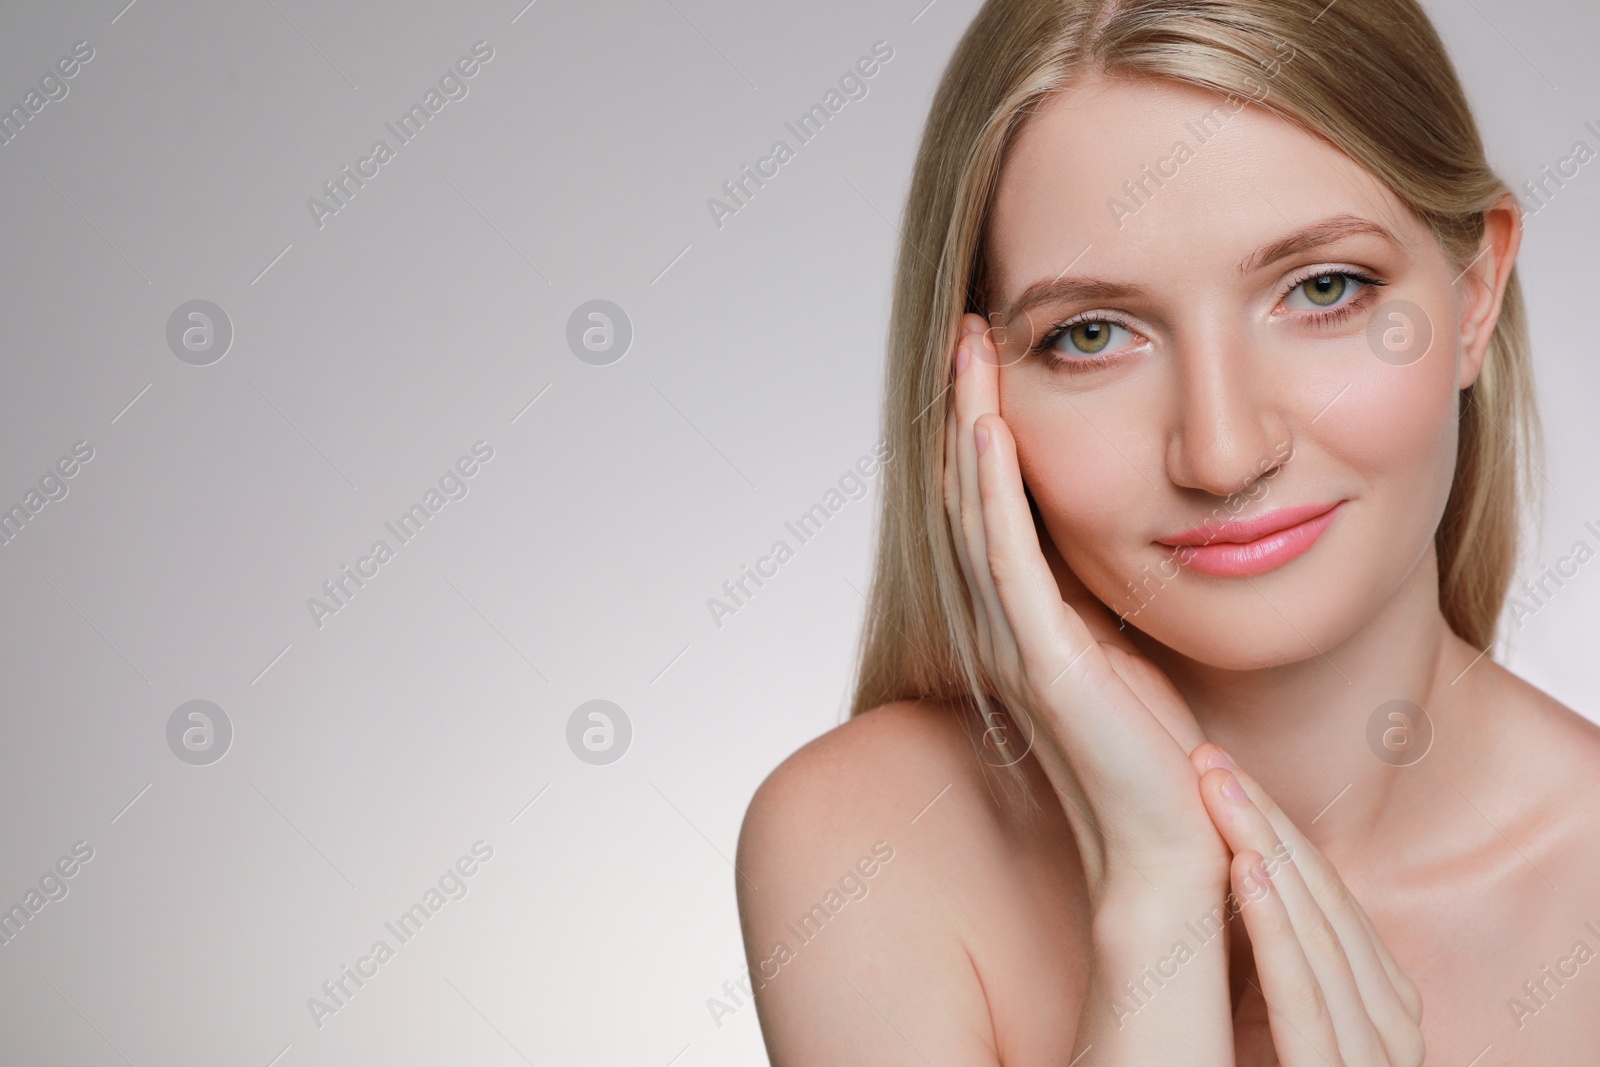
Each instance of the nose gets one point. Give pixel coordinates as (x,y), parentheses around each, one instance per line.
(1229,426)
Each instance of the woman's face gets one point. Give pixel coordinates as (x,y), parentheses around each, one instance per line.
(1227,363)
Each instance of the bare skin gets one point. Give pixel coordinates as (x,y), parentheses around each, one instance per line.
(993,937)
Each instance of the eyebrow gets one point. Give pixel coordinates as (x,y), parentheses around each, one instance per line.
(1062,289)
(1315,235)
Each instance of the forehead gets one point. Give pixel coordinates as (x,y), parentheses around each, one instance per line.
(1153,182)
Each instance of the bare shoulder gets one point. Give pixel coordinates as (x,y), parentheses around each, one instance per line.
(869,768)
(1548,739)
(1541,793)
(1549,756)
(883,776)
(904,772)
(884,875)
(844,904)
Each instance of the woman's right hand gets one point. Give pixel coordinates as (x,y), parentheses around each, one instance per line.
(1113,736)
(1109,729)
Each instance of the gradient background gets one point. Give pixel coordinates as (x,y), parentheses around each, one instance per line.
(368,754)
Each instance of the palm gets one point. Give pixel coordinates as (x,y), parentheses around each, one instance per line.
(1148,682)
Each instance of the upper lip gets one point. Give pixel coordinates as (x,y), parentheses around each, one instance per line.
(1243,531)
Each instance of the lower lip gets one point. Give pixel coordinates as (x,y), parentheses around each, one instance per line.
(1227,560)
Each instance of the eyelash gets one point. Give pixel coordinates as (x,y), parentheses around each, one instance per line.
(1076,364)
(1331,317)
(1336,315)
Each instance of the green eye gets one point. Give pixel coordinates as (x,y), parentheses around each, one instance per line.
(1324,290)
(1085,344)
(1334,289)
(1090,337)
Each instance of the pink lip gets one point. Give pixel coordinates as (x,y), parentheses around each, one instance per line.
(1252,546)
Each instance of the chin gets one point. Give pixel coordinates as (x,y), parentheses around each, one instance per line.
(1298,612)
(1220,633)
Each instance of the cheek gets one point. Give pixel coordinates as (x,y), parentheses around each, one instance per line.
(1397,424)
(1086,490)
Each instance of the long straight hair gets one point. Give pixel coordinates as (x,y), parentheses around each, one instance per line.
(1369,76)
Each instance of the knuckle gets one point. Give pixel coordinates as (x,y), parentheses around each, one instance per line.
(1338,894)
(999,566)
(1003,574)
(1308,1003)
(971,521)
(1322,937)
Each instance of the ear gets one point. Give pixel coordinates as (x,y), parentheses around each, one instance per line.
(1482,286)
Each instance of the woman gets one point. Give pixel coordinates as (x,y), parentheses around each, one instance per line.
(1176,739)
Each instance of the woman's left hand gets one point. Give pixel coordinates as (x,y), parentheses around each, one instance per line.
(1333,994)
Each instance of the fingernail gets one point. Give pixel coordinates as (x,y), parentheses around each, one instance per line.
(1220,758)
(981,434)
(962,355)
(1259,871)
(1234,791)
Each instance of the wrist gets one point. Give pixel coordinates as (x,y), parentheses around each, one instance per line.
(1134,916)
(1152,887)
(1158,978)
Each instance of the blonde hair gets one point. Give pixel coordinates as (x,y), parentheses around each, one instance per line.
(919,638)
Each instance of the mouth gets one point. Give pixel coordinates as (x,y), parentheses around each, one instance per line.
(1246,547)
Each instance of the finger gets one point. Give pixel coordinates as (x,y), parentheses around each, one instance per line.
(1031,604)
(1061,660)
(1388,992)
(1067,670)
(1303,1031)
(952,507)
(977,393)
(1156,691)
(1407,989)
(1391,996)
(1245,828)
(1328,887)
(1056,666)
(1049,633)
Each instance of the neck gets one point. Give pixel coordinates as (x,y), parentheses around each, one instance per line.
(1317,735)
